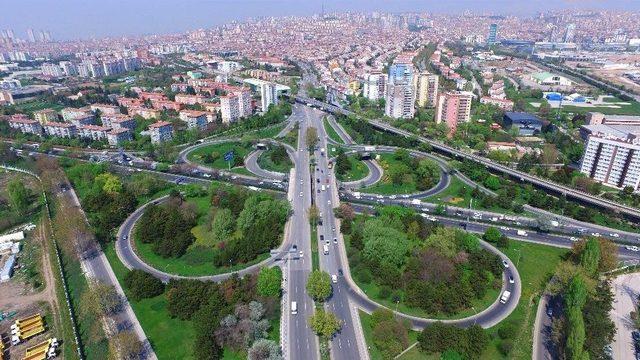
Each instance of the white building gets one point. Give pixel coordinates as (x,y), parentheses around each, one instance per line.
(375,86)
(230,108)
(268,95)
(612,159)
(244,99)
(93,132)
(25,125)
(161,131)
(400,96)
(116,137)
(194,119)
(60,129)
(52,70)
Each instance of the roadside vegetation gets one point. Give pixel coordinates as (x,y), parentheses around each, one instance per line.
(350,167)
(404,174)
(213,155)
(275,159)
(331,132)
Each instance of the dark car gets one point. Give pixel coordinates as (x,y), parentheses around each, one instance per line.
(340,272)
(635,334)
(321,237)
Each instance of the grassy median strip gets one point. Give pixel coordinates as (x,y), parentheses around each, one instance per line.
(315,259)
(331,131)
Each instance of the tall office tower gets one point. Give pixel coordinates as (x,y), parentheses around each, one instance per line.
(47,35)
(244,97)
(69,68)
(41,36)
(400,97)
(570,33)
(426,88)
(493,34)
(375,86)
(31,35)
(268,95)
(454,108)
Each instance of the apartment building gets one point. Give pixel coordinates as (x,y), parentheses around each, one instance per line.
(453,108)
(105,109)
(119,121)
(116,137)
(144,112)
(69,114)
(400,96)
(161,131)
(613,159)
(194,119)
(92,132)
(45,115)
(244,100)
(25,125)
(268,95)
(426,88)
(504,104)
(189,99)
(60,129)
(230,108)
(375,86)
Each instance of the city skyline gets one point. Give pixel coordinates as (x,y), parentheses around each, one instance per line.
(71,19)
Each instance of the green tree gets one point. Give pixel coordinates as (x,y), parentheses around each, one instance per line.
(325,324)
(319,285)
(270,282)
(111,184)
(590,257)
(311,137)
(223,225)
(492,235)
(314,215)
(19,196)
(142,285)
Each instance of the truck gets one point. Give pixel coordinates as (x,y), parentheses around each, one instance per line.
(505,297)
(294,308)
(554,223)
(415,202)
(21,336)
(27,327)
(322,151)
(38,348)
(522,233)
(357,195)
(325,249)
(41,355)
(323,188)
(369,148)
(26,321)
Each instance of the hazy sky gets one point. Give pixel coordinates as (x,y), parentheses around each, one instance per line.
(70,19)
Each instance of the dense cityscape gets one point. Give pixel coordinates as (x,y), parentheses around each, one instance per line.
(342,185)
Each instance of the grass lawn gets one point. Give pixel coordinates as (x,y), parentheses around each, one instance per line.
(615,109)
(155,320)
(238,149)
(315,259)
(385,186)
(265,162)
(268,132)
(358,170)
(31,106)
(452,194)
(535,263)
(331,132)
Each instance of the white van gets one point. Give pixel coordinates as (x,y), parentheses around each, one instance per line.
(325,249)
(294,308)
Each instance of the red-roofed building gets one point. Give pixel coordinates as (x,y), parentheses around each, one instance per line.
(161,131)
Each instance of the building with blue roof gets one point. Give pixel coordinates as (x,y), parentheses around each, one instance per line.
(527,124)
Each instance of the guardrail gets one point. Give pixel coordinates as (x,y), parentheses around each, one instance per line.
(67,296)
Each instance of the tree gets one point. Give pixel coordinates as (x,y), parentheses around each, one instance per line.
(264,349)
(101,299)
(270,282)
(126,346)
(590,257)
(19,196)
(314,215)
(142,285)
(319,285)
(492,235)
(311,137)
(222,225)
(325,324)
(111,184)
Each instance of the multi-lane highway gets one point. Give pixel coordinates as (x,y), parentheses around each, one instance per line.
(519,175)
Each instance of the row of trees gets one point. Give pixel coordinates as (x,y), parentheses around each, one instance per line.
(422,172)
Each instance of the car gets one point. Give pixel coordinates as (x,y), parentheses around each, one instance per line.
(318,191)
(318,181)
(340,272)
(333,228)
(294,247)
(595,234)
(300,193)
(329,202)
(504,228)
(615,235)
(380,197)
(549,311)
(335,240)
(334,278)
(573,238)
(635,334)
(511,280)
(632,248)
(301,254)
(392,197)
(505,263)
(124,237)
(321,237)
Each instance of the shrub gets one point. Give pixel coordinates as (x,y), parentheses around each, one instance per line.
(384,292)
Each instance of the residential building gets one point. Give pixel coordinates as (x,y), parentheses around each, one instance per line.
(92,132)
(595,118)
(268,95)
(189,99)
(161,131)
(119,121)
(244,101)
(504,104)
(105,109)
(69,68)
(613,159)
(116,137)
(493,34)
(400,96)
(45,115)
(69,114)
(194,119)
(375,86)
(25,125)
(84,120)
(427,89)
(52,70)
(60,129)
(527,124)
(144,112)
(454,108)
(230,108)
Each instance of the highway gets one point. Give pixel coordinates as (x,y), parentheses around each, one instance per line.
(519,175)
(345,343)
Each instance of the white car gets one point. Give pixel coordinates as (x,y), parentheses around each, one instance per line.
(392,197)
(511,280)
(573,238)
(329,202)
(380,197)
(504,228)
(632,248)
(334,278)
(300,193)
(614,235)
(595,234)
(505,263)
